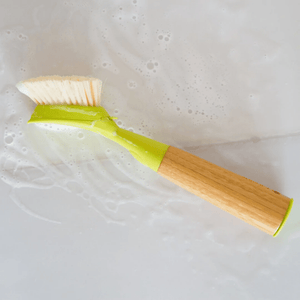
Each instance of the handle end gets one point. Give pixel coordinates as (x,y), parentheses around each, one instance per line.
(285,218)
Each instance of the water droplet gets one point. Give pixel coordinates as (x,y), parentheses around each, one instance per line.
(80,135)
(8,140)
(86,195)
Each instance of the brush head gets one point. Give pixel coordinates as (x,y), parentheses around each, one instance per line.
(66,90)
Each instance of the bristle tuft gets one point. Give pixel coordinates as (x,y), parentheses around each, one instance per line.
(67,90)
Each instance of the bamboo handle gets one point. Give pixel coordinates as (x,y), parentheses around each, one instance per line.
(242,197)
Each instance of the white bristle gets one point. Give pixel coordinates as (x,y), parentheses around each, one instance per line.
(58,90)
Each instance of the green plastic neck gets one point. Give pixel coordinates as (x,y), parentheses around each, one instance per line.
(147,151)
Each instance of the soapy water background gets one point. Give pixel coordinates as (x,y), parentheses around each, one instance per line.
(215,78)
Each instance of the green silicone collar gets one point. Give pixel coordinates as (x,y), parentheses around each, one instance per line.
(147,151)
(285,218)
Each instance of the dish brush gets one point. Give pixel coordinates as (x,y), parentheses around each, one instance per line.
(75,101)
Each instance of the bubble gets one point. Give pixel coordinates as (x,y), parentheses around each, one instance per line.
(166,39)
(190,111)
(134,1)
(104,65)
(132,84)
(9,139)
(80,135)
(116,111)
(24,149)
(150,65)
(160,37)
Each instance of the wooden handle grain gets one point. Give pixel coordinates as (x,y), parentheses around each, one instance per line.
(242,197)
